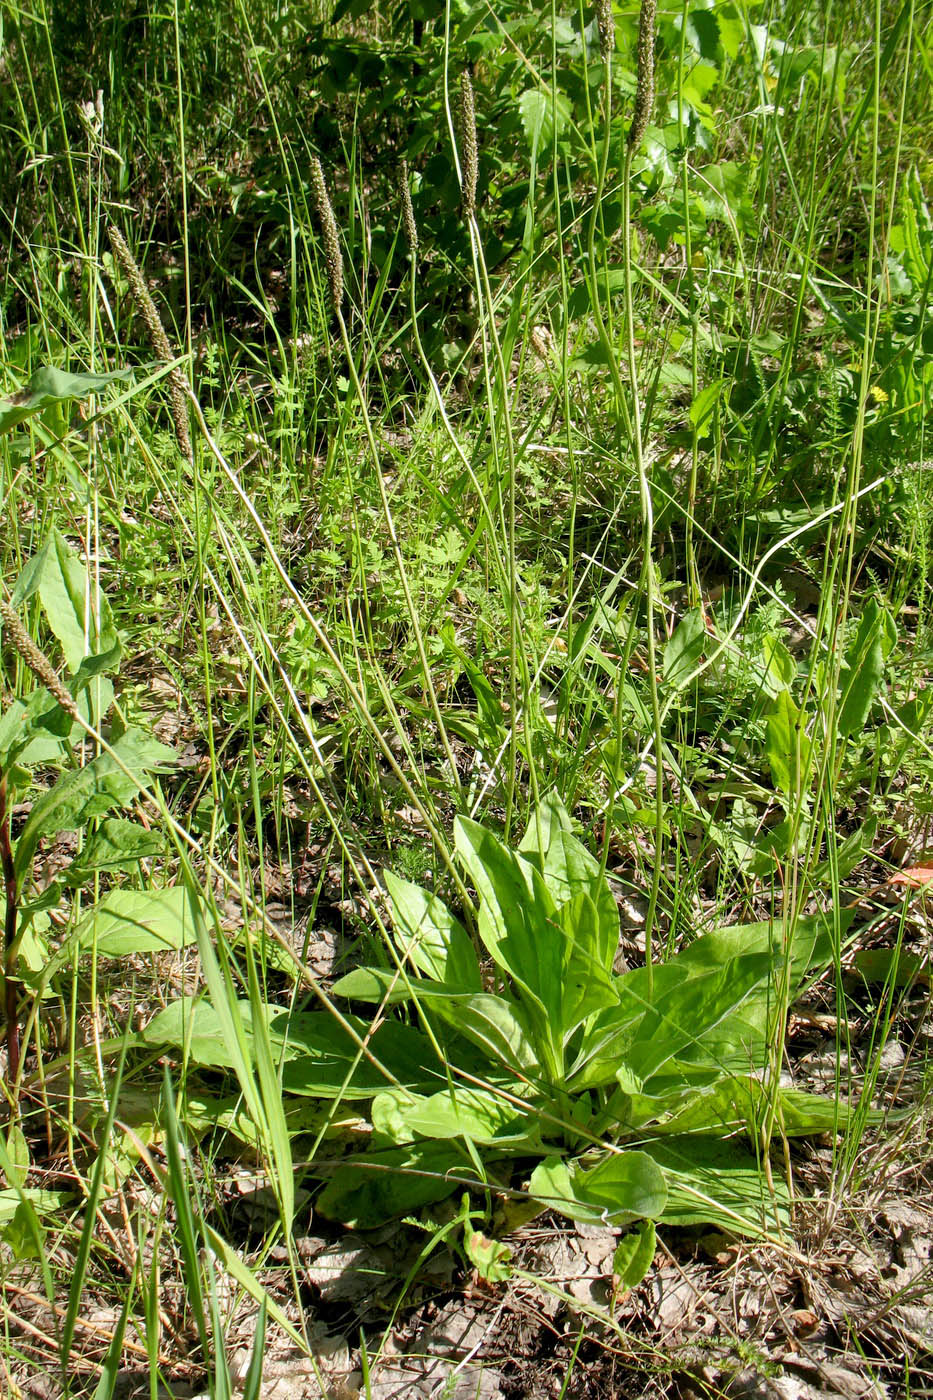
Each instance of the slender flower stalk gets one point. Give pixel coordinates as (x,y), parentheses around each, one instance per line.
(644,89)
(178,388)
(470,172)
(333,258)
(408,211)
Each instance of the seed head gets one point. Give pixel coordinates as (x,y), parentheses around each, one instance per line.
(470,147)
(333,258)
(178,388)
(607,29)
(408,212)
(37,661)
(644,91)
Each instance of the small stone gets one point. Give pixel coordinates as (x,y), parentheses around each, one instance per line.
(892,1056)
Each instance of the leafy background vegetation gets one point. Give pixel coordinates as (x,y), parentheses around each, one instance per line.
(465,639)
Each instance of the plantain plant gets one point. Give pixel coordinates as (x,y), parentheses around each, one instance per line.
(528,1060)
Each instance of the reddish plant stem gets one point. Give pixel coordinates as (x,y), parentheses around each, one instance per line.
(9,939)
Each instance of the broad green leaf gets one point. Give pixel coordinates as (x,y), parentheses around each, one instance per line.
(78,614)
(427,932)
(811,943)
(48,386)
(115,845)
(849,853)
(24,1236)
(365,1193)
(516,920)
(17,1156)
(545,824)
(914,238)
(21,723)
(684,649)
(475,1114)
(192,1025)
(787,746)
(587,982)
(864,667)
(542,117)
(781,668)
(680,1019)
(634,1256)
(91,791)
(500,1028)
(569,869)
(378,984)
(623,1187)
(897,966)
(42,1202)
(606,1039)
(138,921)
(324,1058)
(704,406)
(711,1182)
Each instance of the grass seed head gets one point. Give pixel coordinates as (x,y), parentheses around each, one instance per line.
(178,389)
(607,29)
(470,146)
(36,660)
(408,212)
(644,91)
(333,258)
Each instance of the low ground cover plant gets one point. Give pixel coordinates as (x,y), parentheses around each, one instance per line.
(526,522)
(640,1095)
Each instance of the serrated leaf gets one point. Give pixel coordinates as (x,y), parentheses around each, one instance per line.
(542,117)
(91,791)
(490,1258)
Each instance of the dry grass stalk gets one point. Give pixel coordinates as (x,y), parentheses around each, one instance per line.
(333,258)
(37,661)
(178,388)
(644,91)
(470,151)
